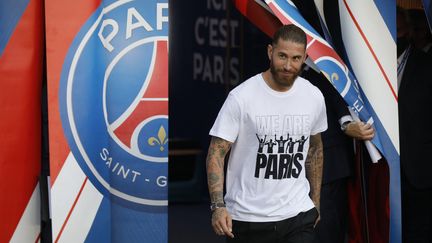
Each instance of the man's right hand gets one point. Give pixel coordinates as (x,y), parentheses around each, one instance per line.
(222,222)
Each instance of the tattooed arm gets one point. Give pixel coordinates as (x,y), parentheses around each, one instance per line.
(221,220)
(314,167)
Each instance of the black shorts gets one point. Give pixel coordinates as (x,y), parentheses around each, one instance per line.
(298,229)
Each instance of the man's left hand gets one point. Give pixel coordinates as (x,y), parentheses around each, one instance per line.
(360,130)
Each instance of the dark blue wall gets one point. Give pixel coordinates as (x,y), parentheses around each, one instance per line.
(212,49)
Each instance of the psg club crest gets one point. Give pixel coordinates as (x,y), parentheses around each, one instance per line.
(114,101)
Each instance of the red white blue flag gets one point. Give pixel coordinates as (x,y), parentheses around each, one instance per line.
(368,33)
(108,107)
(21,67)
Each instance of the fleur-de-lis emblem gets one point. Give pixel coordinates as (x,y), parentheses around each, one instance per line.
(161,140)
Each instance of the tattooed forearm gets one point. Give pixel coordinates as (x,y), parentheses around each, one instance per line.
(216,196)
(314,167)
(215,167)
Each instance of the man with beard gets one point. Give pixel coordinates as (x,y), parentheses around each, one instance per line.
(415,114)
(271,196)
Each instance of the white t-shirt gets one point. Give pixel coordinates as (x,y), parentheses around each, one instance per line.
(270,134)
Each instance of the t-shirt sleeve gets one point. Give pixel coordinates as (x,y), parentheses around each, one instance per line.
(227,123)
(320,124)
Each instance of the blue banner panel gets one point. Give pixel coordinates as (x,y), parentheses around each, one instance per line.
(113,103)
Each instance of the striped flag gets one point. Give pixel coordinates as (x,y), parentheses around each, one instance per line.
(368,31)
(108,110)
(259,14)
(21,66)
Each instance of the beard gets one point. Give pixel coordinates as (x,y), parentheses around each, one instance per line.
(281,79)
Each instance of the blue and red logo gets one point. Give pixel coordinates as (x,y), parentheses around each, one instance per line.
(114,101)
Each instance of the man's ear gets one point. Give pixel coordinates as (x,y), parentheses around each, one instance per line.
(269,51)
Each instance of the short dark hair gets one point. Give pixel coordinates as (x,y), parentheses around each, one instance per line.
(290,33)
